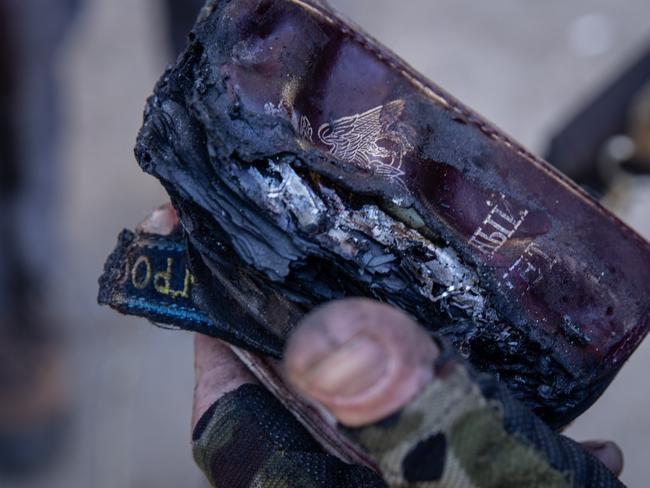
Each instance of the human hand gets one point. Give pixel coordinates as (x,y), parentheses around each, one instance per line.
(364,361)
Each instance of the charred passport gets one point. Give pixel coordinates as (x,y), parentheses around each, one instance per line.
(309,163)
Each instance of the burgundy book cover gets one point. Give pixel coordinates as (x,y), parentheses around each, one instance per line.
(275,98)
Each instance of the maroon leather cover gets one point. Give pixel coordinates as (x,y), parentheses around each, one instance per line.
(556,263)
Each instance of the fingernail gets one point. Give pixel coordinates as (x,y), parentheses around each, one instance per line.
(349,370)
(162,221)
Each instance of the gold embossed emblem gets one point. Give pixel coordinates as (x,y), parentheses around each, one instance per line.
(370,139)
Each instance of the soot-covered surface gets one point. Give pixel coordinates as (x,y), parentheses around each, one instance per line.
(308,160)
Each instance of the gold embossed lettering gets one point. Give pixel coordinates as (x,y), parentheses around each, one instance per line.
(185,292)
(162,281)
(497,228)
(136,280)
(484,246)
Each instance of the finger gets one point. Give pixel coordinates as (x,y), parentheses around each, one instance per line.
(217,372)
(362,359)
(421,411)
(162,221)
(608,453)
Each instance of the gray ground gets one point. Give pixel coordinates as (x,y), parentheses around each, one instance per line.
(523,64)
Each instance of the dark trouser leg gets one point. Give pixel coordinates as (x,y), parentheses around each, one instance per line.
(32,393)
(8,162)
(31,33)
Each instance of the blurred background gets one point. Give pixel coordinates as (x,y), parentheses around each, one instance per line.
(74,78)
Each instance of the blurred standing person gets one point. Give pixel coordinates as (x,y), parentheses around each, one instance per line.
(33,399)
(34,402)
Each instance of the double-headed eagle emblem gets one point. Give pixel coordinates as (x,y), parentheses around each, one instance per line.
(371,140)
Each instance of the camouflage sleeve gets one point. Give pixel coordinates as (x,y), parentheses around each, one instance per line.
(247,439)
(465,430)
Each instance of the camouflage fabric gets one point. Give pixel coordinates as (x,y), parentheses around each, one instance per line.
(247,439)
(562,453)
(451,436)
(462,431)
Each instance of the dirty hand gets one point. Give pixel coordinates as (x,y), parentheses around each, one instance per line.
(419,410)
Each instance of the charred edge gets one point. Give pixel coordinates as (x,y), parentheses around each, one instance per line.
(114,268)
(490,342)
